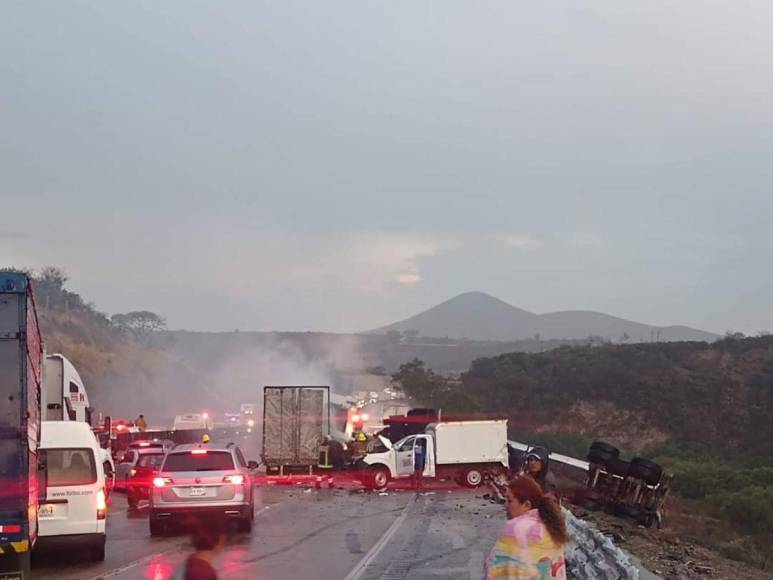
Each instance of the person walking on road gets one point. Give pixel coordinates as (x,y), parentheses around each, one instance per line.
(207,539)
(141,424)
(531,544)
(419,461)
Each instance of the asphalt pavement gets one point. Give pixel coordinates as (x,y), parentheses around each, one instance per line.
(302,532)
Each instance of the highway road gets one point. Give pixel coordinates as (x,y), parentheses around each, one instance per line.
(301,533)
(312,533)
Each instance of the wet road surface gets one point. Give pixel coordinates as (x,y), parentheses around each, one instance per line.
(303,532)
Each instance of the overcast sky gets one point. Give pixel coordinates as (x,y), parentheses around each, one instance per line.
(340,165)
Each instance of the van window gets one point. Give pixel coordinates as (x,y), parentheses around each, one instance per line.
(209,461)
(70,466)
(73,388)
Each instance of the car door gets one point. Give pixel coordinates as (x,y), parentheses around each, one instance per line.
(404,457)
(123,469)
(429,455)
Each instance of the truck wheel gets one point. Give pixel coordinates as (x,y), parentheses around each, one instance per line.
(379,478)
(133,503)
(473,477)
(648,471)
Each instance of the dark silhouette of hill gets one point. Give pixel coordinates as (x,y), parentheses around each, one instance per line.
(479,316)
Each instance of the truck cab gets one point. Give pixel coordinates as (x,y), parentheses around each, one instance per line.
(64,397)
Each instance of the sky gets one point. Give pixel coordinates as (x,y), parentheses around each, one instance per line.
(338,166)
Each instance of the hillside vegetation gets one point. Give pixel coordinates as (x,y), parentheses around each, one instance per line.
(124,375)
(701,410)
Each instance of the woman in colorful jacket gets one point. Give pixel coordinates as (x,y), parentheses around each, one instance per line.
(531,544)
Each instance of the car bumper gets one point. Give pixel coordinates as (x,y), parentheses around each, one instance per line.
(62,542)
(166,512)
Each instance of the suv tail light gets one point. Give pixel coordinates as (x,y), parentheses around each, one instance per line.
(235,479)
(161,481)
(101,504)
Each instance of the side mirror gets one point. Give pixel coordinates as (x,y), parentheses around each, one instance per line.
(252,465)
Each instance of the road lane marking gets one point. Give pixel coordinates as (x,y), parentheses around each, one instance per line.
(139,562)
(359,569)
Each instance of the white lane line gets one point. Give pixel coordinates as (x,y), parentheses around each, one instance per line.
(359,569)
(177,548)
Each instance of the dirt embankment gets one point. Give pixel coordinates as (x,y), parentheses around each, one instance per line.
(669,552)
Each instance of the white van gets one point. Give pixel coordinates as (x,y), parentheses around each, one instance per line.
(75,508)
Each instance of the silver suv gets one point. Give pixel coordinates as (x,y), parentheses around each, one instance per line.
(205,478)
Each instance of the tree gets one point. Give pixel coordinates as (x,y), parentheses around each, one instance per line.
(415,380)
(140,322)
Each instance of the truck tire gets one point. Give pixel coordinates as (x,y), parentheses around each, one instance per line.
(646,470)
(133,503)
(602,453)
(605,448)
(473,477)
(618,467)
(379,478)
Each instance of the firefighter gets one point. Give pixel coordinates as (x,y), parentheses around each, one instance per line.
(205,438)
(141,424)
(359,440)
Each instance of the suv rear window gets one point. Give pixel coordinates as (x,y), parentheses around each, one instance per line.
(209,461)
(69,466)
(150,460)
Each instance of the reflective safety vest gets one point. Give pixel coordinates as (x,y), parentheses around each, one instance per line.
(360,445)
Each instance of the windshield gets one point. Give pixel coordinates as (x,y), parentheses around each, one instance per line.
(150,460)
(209,461)
(69,466)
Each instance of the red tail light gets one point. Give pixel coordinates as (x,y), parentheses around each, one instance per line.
(161,481)
(199,452)
(10,529)
(235,479)
(101,504)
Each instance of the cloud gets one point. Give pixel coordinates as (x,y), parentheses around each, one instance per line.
(408,278)
(521,242)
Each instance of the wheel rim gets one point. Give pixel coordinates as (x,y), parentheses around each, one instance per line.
(473,477)
(380,479)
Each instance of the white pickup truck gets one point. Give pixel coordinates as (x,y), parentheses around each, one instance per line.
(465,451)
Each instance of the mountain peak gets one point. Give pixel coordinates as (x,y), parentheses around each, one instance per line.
(479,316)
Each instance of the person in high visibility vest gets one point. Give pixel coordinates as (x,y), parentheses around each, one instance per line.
(359,440)
(141,424)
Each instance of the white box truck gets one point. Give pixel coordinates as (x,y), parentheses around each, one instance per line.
(465,451)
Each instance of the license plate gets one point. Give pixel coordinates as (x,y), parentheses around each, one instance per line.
(46,511)
(197,492)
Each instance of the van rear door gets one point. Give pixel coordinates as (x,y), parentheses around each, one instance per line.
(73,484)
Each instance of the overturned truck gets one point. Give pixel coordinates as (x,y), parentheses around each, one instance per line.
(637,488)
(296,420)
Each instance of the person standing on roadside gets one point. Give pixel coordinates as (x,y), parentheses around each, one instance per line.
(141,424)
(537,464)
(531,544)
(419,461)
